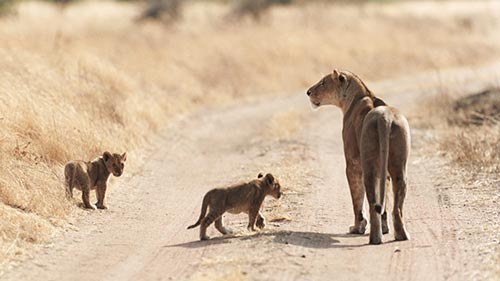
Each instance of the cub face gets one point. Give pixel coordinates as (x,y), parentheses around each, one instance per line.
(115,163)
(328,91)
(272,184)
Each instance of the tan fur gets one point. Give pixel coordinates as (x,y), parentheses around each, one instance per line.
(245,197)
(86,176)
(376,141)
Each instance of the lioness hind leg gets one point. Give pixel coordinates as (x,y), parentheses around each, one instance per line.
(354,177)
(399,188)
(375,219)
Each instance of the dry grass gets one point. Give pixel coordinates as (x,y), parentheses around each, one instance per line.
(468,138)
(77,81)
(468,135)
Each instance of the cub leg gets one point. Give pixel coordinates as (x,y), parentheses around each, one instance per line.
(69,174)
(354,175)
(212,216)
(101,192)
(220,227)
(260,221)
(252,217)
(69,188)
(85,197)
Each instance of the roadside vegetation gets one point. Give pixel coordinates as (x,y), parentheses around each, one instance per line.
(465,131)
(77,81)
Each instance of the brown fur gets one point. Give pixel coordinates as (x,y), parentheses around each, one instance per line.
(376,140)
(86,176)
(245,197)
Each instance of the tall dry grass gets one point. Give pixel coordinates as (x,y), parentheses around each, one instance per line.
(77,81)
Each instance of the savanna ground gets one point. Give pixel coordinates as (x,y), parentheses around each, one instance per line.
(87,78)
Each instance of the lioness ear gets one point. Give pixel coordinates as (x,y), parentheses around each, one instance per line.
(269,179)
(106,156)
(260,175)
(378,102)
(124,156)
(335,74)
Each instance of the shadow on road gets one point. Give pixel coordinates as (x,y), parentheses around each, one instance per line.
(287,237)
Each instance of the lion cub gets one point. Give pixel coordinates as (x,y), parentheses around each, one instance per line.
(245,197)
(86,176)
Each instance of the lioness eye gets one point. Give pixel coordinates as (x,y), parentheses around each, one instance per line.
(122,165)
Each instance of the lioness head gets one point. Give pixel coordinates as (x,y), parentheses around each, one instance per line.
(272,185)
(114,162)
(330,90)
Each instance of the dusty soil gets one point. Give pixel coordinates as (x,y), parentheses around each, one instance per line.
(143,235)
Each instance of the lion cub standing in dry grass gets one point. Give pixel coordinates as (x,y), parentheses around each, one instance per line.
(246,197)
(86,176)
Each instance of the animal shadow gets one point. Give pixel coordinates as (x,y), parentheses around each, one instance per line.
(314,240)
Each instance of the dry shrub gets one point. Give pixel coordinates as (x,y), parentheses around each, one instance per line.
(77,81)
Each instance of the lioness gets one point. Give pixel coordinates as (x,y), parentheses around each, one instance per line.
(245,197)
(376,140)
(87,176)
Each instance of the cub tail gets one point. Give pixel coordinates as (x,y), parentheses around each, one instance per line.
(203,212)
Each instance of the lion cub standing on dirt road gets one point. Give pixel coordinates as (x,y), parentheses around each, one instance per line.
(87,176)
(376,140)
(245,197)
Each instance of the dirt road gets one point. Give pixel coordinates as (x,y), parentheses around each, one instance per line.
(143,235)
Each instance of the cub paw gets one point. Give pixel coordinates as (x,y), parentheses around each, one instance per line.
(102,207)
(205,237)
(260,223)
(251,228)
(228,231)
(89,207)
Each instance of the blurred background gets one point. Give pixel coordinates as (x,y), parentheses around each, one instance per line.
(80,77)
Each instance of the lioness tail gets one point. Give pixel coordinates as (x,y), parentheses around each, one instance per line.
(384,130)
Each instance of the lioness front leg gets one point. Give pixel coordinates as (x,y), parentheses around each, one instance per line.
(101,192)
(358,196)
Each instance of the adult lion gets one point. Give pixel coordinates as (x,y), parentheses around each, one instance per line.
(376,140)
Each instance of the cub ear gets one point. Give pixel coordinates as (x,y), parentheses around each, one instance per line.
(124,156)
(335,74)
(342,78)
(106,156)
(260,175)
(269,179)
